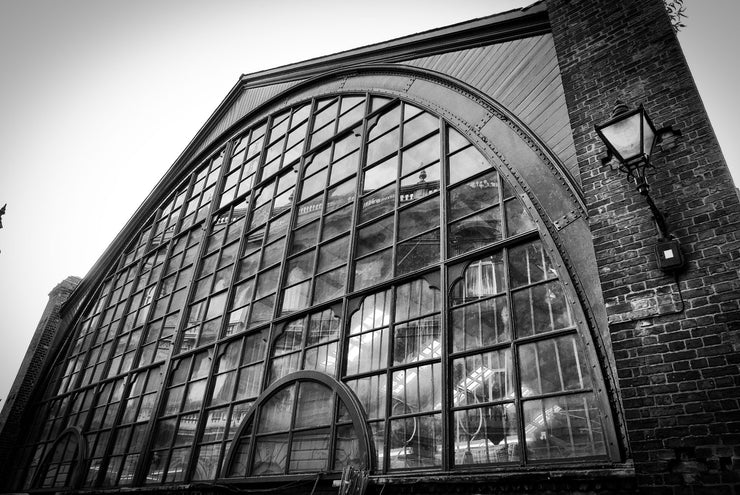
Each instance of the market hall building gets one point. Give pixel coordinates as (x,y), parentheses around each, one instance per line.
(435,264)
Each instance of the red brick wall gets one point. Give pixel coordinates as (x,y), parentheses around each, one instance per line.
(676,339)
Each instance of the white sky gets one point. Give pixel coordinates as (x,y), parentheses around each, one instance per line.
(99,97)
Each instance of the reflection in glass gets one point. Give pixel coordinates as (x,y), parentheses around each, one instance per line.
(270,454)
(542,308)
(554,365)
(309,451)
(481,324)
(418,252)
(482,378)
(474,195)
(486,435)
(416,442)
(475,231)
(563,427)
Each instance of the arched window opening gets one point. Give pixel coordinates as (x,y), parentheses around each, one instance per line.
(62,464)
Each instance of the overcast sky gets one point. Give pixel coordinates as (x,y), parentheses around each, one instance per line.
(99,97)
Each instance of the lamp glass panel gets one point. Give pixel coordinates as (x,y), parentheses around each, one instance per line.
(624,136)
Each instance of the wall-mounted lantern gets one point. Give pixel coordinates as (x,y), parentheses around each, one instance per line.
(630,137)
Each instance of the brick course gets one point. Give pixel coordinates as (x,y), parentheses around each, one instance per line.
(675,339)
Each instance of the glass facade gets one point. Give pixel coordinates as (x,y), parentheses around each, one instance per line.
(354,235)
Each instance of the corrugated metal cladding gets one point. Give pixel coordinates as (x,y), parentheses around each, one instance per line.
(523,76)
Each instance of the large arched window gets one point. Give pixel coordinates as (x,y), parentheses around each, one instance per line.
(356,235)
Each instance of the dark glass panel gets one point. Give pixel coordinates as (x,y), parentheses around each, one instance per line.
(270,455)
(347,451)
(517,218)
(418,218)
(333,254)
(206,462)
(375,236)
(474,195)
(475,231)
(529,264)
(304,237)
(262,311)
(300,268)
(309,451)
(418,252)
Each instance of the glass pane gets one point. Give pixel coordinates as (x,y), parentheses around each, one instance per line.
(262,311)
(418,218)
(375,236)
(486,435)
(378,176)
(367,352)
(383,146)
(276,412)
(482,378)
(270,454)
(295,298)
(267,281)
(475,231)
(300,268)
(466,163)
(420,184)
(374,312)
(215,427)
(333,254)
(315,406)
(418,252)
(529,264)
(321,358)
(417,340)
(418,127)
(378,203)
(416,442)
(481,324)
(336,223)
(249,382)
(344,167)
(313,184)
(417,389)
(371,391)
(373,269)
(419,155)
(304,237)
(347,450)
(207,462)
(540,309)
(416,298)
(474,195)
(341,195)
(553,365)
(330,285)
(310,451)
(517,218)
(563,427)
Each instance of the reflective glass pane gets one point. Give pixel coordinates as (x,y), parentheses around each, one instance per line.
(416,442)
(517,218)
(367,352)
(378,203)
(417,340)
(295,298)
(310,451)
(475,231)
(347,451)
(418,127)
(373,269)
(419,155)
(273,415)
(379,175)
(341,195)
(418,252)
(304,237)
(417,389)
(418,218)
(337,222)
(330,285)
(529,264)
(474,195)
(333,254)
(270,455)
(486,435)
(315,406)
(465,163)
(540,309)
(482,378)
(321,358)
(371,391)
(553,365)
(416,298)
(375,236)
(563,427)
(481,324)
